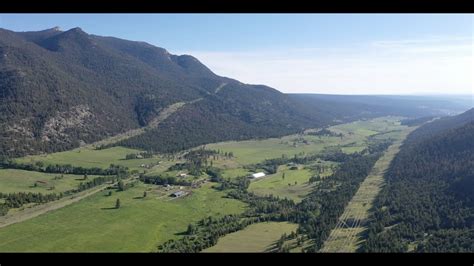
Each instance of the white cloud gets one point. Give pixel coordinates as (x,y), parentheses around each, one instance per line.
(431,65)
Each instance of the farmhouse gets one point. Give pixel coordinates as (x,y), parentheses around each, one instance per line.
(179,193)
(257,175)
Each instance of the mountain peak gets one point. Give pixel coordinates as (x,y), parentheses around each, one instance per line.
(76,29)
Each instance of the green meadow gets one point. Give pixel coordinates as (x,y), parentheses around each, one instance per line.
(294,186)
(88,157)
(15,180)
(354,140)
(254,151)
(259,237)
(94,225)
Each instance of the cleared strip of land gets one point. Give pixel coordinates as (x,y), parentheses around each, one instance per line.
(165,113)
(220,87)
(347,235)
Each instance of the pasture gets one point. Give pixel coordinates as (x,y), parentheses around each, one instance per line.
(259,237)
(294,186)
(88,157)
(139,225)
(15,180)
(353,140)
(255,151)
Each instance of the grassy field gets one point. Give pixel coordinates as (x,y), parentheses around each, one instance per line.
(139,225)
(277,186)
(347,235)
(370,127)
(88,157)
(231,173)
(354,135)
(15,180)
(254,151)
(258,237)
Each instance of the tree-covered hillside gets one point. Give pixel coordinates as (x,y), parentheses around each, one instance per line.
(60,89)
(427,204)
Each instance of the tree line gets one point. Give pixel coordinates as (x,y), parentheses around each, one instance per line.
(66,168)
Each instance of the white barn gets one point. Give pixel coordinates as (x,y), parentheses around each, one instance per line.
(257,175)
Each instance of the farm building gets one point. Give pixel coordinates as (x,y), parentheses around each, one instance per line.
(257,175)
(179,193)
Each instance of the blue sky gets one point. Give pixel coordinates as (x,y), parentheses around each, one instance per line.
(321,53)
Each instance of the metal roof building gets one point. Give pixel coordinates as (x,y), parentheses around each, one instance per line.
(257,175)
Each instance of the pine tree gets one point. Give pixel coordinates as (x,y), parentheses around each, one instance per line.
(117,204)
(121,186)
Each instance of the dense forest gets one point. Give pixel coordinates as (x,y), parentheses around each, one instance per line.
(427,204)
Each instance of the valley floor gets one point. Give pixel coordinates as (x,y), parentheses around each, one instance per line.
(89,221)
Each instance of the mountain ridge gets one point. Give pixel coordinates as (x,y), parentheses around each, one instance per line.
(62,89)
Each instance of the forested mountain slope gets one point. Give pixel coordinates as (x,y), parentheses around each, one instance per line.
(60,89)
(428,203)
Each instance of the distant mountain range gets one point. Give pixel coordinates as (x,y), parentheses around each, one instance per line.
(61,89)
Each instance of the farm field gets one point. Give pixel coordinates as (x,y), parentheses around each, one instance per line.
(285,188)
(354,136)
(254,151)
(371,126)
(346,236)
(88,157)
(259,237)
(139,225)
(16,180)
(231,173)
